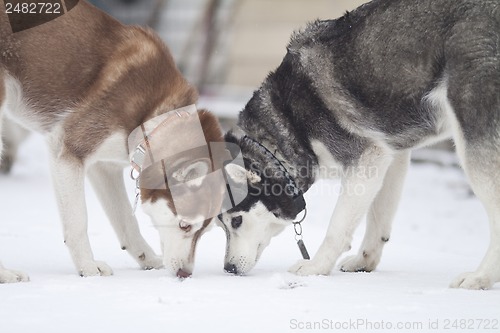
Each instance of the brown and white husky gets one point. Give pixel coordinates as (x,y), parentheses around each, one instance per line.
(86,82)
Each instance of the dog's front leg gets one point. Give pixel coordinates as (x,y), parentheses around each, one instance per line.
(68,177)
(360,185)
(107,181)
(380,217)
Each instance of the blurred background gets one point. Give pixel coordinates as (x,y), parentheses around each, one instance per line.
(225,47)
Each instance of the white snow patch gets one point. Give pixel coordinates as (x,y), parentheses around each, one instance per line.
(439,232)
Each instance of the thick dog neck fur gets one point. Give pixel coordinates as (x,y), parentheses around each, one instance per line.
(273,186)
(273,119)
(212,132)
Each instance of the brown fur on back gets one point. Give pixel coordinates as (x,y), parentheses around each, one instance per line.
(97,79)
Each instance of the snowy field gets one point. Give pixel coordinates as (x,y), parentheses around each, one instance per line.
(440,231)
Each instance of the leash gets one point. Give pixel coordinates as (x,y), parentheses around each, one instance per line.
(298,196)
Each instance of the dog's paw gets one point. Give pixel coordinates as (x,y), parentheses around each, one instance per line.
(145,257)
(10,276)
(310,267)
(474,281)
(363,262)
(153,262)
(93,268)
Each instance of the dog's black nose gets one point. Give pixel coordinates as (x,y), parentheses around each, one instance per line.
(230,268)
(236,222)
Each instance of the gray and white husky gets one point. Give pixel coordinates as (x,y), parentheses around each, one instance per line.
(352,97)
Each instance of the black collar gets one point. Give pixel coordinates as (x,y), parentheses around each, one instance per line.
(298,195)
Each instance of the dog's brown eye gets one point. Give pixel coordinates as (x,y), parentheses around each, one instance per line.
(236,222)
(184,226)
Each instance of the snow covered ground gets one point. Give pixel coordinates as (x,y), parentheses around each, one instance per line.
(440,231)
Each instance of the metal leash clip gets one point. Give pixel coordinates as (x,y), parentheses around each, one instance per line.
(138,159)
(297,226)
(135,174)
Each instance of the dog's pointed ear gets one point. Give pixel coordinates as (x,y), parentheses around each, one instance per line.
(240,175)
(193,172)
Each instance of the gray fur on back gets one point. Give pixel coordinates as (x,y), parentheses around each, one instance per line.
(364,78)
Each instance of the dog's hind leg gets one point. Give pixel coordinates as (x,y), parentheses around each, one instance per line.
(473,86)
(482,166)
(107,181)
(13,135)
(360,186)
(380,217)
(6,275)
(474,114)
(481,163)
